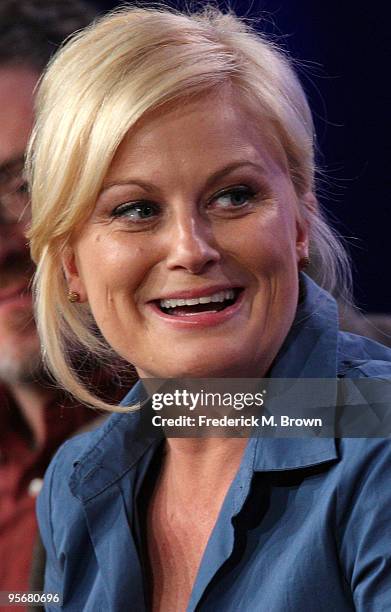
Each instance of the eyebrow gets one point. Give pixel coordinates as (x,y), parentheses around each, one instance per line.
(213,178)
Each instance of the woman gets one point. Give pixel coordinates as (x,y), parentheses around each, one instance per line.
(172,173)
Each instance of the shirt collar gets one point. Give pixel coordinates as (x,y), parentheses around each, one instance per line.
(309,351)
(114,449)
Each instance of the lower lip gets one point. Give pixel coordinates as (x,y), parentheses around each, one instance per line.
(200,319)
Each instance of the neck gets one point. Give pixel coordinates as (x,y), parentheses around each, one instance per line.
(31,399)
(201,467)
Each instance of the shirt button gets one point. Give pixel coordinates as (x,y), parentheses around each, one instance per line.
(35,486)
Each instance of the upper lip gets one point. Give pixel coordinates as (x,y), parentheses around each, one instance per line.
(189,294)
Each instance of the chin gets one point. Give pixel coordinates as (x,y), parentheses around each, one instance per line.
(200,367)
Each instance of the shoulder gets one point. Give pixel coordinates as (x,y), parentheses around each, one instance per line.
(80,474)
(361,479)
(361,357)
(362,457)
(69,453)
(364,514)
(56,497)
(85,464)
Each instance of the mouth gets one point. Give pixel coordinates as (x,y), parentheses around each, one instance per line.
(189,307)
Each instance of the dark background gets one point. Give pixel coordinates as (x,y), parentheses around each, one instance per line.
(345,52)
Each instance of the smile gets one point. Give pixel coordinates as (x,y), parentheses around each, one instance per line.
(201,310)
(207,303)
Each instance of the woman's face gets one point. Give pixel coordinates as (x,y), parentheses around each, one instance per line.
(189,261)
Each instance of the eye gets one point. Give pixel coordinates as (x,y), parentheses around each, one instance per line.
(235,197)
(136,211)
(23,188)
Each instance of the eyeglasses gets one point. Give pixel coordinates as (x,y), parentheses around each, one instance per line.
(14,201)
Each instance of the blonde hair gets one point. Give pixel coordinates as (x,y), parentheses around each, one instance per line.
(96,88)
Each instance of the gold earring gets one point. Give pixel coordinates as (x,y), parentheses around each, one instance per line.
(73,296)
(304,262)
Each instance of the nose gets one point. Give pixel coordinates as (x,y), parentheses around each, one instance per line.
(192,245)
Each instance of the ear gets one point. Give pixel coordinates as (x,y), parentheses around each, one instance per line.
(72,275)
(308,206)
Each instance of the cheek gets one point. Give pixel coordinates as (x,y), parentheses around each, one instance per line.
(263,244)
(112,263)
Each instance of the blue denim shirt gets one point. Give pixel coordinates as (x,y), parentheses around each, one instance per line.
(305,525)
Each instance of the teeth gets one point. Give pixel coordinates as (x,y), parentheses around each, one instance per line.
(221,296)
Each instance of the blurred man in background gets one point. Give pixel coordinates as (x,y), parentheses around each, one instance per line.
(34,418)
